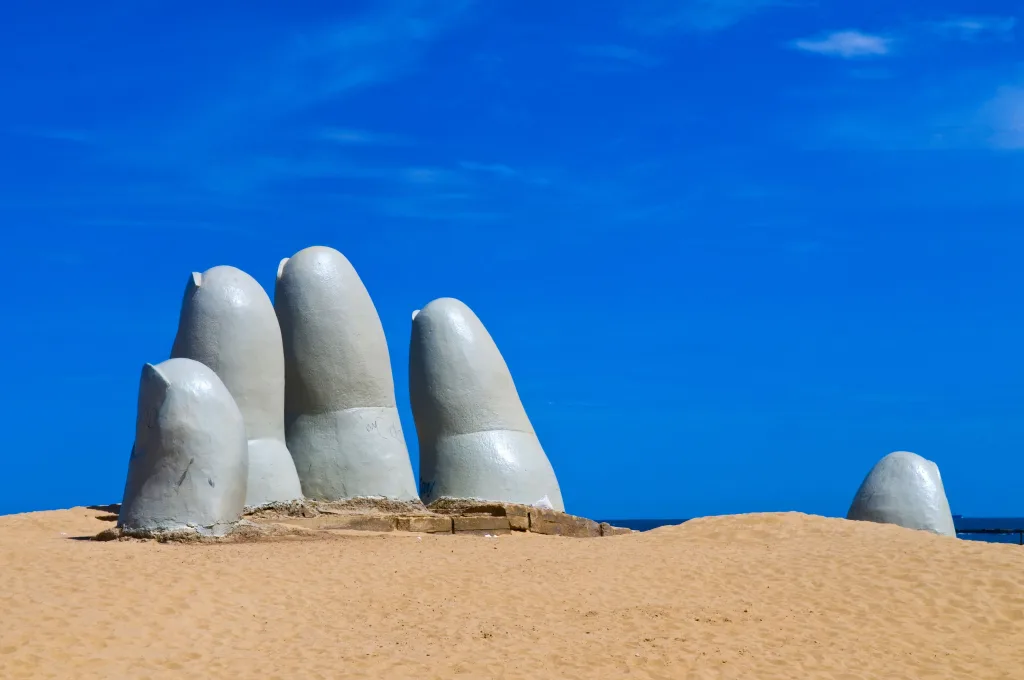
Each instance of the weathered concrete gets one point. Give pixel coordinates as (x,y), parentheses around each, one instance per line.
(352,506)
(444,516)
(555,523)
(481,523)
(517,515)
(228,323)
(904,489)
(190,462)
(355,522)
(519,522)
(476,440)
(425,525)
(609,530)
(341,418)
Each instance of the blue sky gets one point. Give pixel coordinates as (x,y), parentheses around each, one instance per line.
(734,251)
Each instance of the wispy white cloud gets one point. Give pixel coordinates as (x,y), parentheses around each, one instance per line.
(56,134)
(1003,115)
(351,137)
(217,144)
(850,44)
(251,137)
(853,44)
(428,176)
(670,16)
(619,54)
(946,108)
(260,172)
(422,204)
(268,170)
(338,58)
(871,73)
(961,111)
(502,171)
(158,224)
(976,28)
(428,210)
(489,168)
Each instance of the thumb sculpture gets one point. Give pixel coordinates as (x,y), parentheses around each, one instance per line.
(904,489)
(476,440)
(189,463)
(341,417)
(228,323)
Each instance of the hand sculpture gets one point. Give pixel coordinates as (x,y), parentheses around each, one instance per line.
(189,464)
(341,419)
(228,323)
(307,381)
(904,489)
(476,440)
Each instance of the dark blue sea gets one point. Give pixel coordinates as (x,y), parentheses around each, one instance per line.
(988,529)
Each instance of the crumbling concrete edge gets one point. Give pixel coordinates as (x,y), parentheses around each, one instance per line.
(186,534)
(461,516)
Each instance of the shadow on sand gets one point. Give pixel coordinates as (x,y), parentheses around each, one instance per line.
(112,510)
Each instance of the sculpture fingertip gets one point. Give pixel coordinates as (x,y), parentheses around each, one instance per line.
(195,280)
(414,313)
(153,371)
(280,268)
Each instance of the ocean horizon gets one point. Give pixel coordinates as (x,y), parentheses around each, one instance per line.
(986,529)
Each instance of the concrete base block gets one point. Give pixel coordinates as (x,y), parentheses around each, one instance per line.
(425,525)
(482,523)
(609,530)
(552,523)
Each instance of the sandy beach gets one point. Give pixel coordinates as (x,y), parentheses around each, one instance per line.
(755,596)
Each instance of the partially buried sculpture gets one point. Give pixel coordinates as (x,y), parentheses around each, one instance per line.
(341,416)
(904,489)
(189,462)
(228,323)
(476,440)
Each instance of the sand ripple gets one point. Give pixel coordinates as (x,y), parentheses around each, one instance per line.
(754,597)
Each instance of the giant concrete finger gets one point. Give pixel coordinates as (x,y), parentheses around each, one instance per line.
(189,464)
(228,323)
(341,419)
(476,440)
(904,489)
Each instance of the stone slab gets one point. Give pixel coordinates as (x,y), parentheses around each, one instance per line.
(425,524)
(553,523)
(482,523)
(609,530)
(347,522)
(445,516)
(519,523)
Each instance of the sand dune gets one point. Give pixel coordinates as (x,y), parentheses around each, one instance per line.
(754,597)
